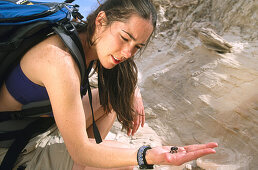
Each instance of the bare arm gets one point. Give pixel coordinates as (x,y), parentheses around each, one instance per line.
(69,115)
(60,75)
(61,78)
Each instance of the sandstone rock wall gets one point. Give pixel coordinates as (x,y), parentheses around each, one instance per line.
(199,78)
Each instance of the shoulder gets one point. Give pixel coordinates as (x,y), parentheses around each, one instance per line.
(50,52)
(48,60)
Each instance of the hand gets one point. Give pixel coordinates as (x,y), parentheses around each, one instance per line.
(139,117)
(162,155)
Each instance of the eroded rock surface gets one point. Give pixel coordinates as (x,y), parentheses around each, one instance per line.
(199,78)
(199,82)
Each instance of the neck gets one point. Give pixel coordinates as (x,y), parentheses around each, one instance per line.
(89,51)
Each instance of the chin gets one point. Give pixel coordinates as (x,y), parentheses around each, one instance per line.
(107,63)
(108,66)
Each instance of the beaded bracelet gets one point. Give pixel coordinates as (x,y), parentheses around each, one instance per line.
(141,158)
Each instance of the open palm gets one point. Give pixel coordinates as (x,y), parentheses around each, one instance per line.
(184,154)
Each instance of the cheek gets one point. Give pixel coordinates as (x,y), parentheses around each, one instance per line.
(116,43)
(111,44)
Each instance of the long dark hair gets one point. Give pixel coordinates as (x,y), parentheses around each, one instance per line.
(117,85)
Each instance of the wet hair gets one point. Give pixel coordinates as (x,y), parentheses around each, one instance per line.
(117,85)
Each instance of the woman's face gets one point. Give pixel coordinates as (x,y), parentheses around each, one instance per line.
(121,40)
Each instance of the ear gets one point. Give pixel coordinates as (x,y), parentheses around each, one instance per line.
(101,19)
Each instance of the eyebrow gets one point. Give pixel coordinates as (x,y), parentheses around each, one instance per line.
(131,36)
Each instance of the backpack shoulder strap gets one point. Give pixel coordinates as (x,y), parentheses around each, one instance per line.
(71,39)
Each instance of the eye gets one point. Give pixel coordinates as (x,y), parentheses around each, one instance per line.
(138,47)
(124,38)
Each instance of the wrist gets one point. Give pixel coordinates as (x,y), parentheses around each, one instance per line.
(141,158)
(148,157)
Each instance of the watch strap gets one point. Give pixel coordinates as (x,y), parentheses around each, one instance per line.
(141,158)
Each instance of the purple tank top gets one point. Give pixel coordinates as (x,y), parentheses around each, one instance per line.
(23,89)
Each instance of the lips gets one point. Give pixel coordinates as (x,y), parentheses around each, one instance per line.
(116,60)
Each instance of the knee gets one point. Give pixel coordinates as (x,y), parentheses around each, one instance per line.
(112,115)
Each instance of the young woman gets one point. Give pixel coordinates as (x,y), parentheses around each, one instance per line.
(114,33)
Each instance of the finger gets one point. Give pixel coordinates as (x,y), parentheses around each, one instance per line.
(129,131)
(139,123)
(136,125)
(197,154)
(181,158)
(191,148)
(143,118)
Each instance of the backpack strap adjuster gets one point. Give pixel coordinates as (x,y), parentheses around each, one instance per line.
(16,116)
(69,27)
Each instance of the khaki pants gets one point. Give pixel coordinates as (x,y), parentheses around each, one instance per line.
(46,151)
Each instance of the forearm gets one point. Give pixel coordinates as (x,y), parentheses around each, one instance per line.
(102,156)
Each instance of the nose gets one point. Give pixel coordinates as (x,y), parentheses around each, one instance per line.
(127,52)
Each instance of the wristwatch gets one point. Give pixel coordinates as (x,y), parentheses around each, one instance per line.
(141,158)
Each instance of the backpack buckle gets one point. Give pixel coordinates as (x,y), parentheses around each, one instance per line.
(69,28)
(16,116)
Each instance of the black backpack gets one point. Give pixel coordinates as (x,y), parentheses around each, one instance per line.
(23,24)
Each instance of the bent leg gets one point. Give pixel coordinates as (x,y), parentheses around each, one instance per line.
(104,123)
(103,120)
(87,108)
